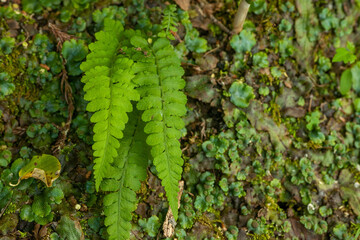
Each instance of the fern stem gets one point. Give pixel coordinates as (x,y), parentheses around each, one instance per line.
(169,22)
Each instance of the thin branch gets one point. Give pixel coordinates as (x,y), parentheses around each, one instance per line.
(65,88)
(213,19)
(4,209)
(240,17)
(170,223)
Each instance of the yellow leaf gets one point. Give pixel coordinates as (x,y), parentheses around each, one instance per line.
(45,168)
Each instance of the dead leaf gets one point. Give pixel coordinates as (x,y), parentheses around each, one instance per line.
(45,168)
(296,112)
(262,122)
(141,210)
(40,232)
(288,83)
(201,88)
(298,230)
(208,62)
(200,22)
(46,67)
(183,4)
(69,228)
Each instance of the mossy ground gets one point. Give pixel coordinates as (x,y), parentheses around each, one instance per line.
(271,144)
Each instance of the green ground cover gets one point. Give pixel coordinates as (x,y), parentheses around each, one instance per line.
(271,141)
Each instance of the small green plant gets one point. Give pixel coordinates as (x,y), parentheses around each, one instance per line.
(151,225)
(346,55)
(169,22)
(313,125)
(260,60)
(6,45)
(241,94)
(40,210)
(350,77)
(6,85)
(74,53)
(5,158)
(193,41)
(35,6)
(315,224)
(243,42)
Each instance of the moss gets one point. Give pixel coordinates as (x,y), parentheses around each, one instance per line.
(213,228)
(23,87)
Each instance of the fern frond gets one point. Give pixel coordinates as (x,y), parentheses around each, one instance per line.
(123,67)
(169,22)
(109,90)
(158,76)
(130,165)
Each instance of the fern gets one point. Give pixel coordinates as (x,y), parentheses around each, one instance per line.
(169,22)
(130,167)
(109,90)
(159,79)
(124,67)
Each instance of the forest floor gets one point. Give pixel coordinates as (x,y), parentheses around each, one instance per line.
(272,138)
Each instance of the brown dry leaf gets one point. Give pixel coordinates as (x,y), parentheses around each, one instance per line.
(297,112)
(183,4)
(208,62)
(334,125)
(288,83)
(262,122)
(36,232)
(200,22)
(43,231)
(298,230)
(46,67)
(201,88)
(169,224)
(141,210)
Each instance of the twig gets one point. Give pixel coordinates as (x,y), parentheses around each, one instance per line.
(137,237)
(4,209)
(176,36)
(60,36)
(203,130)
(240,17)
(169,224)
(67,91)
(310,102)
(221,26)
(210,51)
(65,88)
(217,22)
(26,38)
